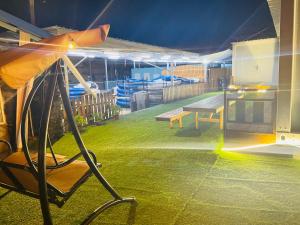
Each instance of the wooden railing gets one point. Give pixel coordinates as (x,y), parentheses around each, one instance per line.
(89,106)
(174,93)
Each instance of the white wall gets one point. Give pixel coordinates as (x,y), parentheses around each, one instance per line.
(256,62)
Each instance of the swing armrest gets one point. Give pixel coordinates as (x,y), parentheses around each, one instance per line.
(95,159)
(68,161)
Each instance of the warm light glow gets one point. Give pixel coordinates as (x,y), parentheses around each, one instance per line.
(71,45)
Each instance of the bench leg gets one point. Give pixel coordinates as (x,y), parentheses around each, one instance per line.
(171,124)
(196,120)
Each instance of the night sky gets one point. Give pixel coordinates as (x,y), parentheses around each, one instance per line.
(195,25)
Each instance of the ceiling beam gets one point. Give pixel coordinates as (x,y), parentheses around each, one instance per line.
(8,26)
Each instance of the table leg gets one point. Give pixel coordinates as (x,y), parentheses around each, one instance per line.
(196,120)
(171,124)
(221,119)
(180,122)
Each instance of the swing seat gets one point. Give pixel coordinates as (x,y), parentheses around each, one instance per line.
(62,180)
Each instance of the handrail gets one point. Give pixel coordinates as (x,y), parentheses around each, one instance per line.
(68,161)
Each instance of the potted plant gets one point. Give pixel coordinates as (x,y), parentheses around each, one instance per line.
(81,122)
(116,112)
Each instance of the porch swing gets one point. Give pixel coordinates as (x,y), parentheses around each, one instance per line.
(49,177)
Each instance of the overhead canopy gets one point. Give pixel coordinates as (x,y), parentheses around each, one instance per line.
(19,65)
(121,49)
(114,48)
(275,8)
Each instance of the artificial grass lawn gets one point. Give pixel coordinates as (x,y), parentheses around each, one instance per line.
(173,186)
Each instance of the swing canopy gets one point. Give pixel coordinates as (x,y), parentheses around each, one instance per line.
(20,64)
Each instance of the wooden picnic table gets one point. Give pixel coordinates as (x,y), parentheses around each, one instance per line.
(211,106)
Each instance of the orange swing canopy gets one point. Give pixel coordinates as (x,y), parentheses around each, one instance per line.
(21,64)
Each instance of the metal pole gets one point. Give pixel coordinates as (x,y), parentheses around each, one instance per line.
(78,76)
(225,113)
(151,64)
(80,61)
(66,73)
(205,67)
(32,11)
(172,73)
(106,75)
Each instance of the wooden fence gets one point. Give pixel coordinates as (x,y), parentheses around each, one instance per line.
(173,93)
(89,106)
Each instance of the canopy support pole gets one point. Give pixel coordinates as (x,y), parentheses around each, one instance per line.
(76,73)
(22,94)
(106,74)
(205,68)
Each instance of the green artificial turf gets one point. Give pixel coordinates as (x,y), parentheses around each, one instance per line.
(173,182)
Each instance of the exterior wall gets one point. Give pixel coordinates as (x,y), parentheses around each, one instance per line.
(285,67)
(295,107)
(256,62)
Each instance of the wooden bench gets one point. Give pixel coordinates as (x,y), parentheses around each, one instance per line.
(172,116)
(208,106)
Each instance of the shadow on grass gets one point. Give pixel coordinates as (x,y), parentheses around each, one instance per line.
(191,131)
(132,214)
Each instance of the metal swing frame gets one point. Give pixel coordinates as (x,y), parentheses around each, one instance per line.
(47,192)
